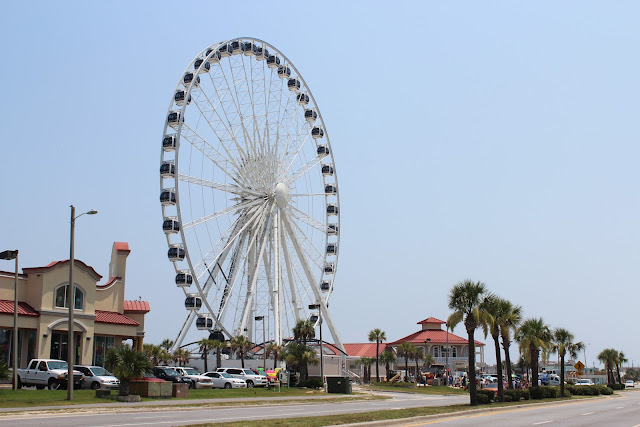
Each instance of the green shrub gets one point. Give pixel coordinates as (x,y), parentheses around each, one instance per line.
(489,393)
(525,394)
(536,392)
(603,389)
(4,371)
(513,395)
(617,387)
(567,393)
(483,399)
(313,382)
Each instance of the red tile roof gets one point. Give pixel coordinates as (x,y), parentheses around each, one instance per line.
(116,318)
(137,306)
(367,349)
(431,320)
(121,246)
(24,309)
(435,336)
(60,263)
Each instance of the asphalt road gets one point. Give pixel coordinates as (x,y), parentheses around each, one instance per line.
(623,410)
(167,416)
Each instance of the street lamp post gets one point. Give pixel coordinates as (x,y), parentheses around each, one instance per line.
(71,300)
(8,255)
(264,349)
(319,307)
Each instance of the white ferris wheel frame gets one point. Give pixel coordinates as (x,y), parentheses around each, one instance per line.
(279,230)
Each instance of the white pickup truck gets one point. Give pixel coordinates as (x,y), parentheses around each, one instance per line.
(51,373)
(195,379)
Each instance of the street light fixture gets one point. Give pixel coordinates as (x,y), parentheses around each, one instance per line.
(264,349)
(71,301)
(319,308)
(8,255)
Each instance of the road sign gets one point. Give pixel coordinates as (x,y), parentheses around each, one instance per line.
(579,366)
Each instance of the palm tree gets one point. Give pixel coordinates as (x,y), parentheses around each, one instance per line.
(303,331)
(563,344)
(366,363)
(512,316)
(609,357)
(418,354)
(299,356)
(405,350)
(387,357)
(620,361)
(165,357)
(166,344)
(218,346)
(274,349)
(492,304)
(178,356)
(378,336)
(534,335)
(428,360)
(154,352)
(240,345)
(126,363)
(465,299)
(205,345)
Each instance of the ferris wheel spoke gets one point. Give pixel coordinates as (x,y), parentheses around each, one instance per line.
(301,216)
(239,206)
(239,191)
(311,251)
(303,170)
(290,277)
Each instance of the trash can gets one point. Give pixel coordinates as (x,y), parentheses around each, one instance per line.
(339,385)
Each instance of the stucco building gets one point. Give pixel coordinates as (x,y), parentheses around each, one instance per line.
(102,317)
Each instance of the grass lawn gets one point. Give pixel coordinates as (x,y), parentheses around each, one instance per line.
(411,388)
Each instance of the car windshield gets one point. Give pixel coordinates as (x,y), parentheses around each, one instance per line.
(100,372)
(170,372)
(224,374)
(58,365)
(191,371)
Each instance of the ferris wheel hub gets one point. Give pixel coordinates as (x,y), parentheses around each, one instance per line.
(282,195)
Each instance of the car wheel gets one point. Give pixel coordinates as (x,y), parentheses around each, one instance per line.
(227,385)
(19,383)
(249,384)
(95,385)
(53,384)
(192,384)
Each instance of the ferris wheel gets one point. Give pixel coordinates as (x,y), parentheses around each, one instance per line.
(249,194)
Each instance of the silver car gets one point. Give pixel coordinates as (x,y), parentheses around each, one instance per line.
(224,380)
(96,377)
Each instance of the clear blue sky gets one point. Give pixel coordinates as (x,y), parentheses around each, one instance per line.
(496,141)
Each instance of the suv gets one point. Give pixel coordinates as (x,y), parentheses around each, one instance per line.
(252,378)
(195,379)
(586,381)
(168,374)
(96,377)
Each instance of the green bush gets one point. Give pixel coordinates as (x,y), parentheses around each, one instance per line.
(313,382)
(584,390)
(617,387)
(4,371)
(567,393)
(489,393)
(483,399)
(525,394)
(603,389)
(508,398)
(536,392)
(513,395)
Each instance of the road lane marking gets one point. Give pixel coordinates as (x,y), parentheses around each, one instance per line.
(542,422)
(587,413)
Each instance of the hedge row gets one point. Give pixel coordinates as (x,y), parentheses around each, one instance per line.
(588,390)
(543,392)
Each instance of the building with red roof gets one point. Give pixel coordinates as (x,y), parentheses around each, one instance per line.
(102,316)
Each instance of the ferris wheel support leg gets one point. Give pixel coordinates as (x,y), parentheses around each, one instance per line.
(248,305)
(276,282)
(183,332)
(305,265)
(292,288)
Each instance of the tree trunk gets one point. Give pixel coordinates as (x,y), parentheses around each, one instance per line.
(473,394)
(534,366)
(507,361)
(206,357)
(618,370)
(406,367)
(377,357)
(218,358)
(562,374)
(124,387)
(386,368)
(242,358)
(496,341)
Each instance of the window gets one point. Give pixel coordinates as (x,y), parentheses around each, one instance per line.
(102,344)
(61,297)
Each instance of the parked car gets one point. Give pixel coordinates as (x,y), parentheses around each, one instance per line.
(195,379)
(224,380)
(168,374)
(96,377)
(252,378)
(585,381)
(51,373)
(552,379)
(629,384)
(493,387)
(148,376)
